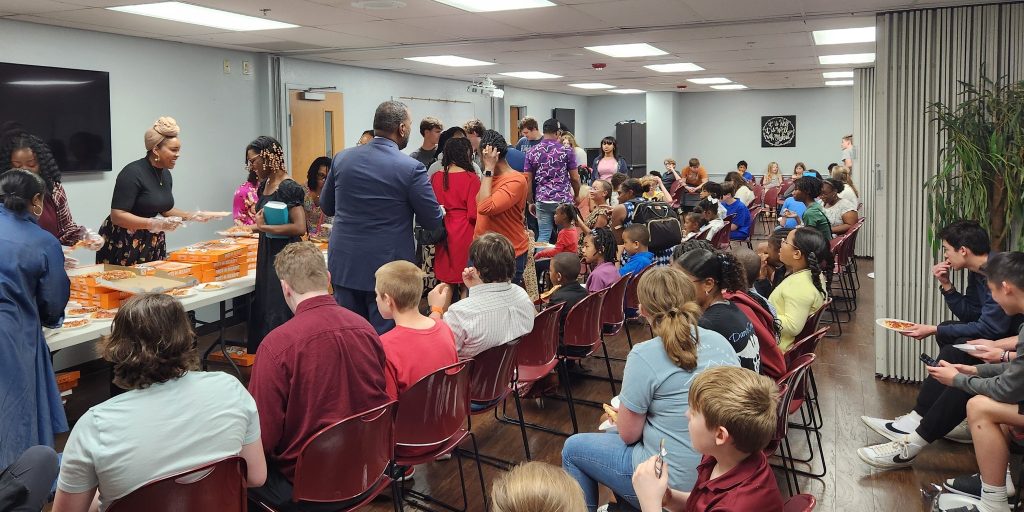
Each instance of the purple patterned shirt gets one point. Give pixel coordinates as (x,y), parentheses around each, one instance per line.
(550,163)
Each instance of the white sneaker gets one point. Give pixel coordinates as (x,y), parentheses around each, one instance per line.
(884,427)
(960,434)
(892,455)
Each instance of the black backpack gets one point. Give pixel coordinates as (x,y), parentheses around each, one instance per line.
(661,221)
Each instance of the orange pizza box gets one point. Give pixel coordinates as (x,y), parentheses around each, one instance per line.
(208,251)
(237,354)
(234,269)
(233,262)
(228,277)
(65,377)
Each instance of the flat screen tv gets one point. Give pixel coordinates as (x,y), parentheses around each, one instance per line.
(67,108)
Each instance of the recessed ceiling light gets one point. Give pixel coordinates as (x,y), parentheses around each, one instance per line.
(495,5)
(592,86)
(839,82)
(678,67)
(450,60)
(624,51)
(850,58)
(729,87)
(197,15)
(530,75)
(628,91)
(844,35)
(379,5)
(837,74)
(708,81)
(48,82)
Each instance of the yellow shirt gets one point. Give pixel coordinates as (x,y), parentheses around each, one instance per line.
(795,299)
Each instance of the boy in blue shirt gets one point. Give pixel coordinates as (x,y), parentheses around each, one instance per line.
(635,239)
(741,222)
(741,167)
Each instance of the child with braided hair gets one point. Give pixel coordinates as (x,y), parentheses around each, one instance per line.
(805,253)
(599,249)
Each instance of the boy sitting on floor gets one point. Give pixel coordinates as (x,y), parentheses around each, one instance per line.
(732,418)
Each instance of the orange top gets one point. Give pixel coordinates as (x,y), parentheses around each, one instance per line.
(502,212)
(694,178)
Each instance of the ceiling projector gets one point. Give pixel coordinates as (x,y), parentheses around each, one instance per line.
(486,87)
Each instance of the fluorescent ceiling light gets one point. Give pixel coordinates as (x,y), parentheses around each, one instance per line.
(850,58)
(592,86)
(530,75)
(623,51)
(627,91)
(709,81)
(678,67)
(197,15)
(495,5)
(844,35)
(839,82)
(450,60)
(837,74)
(48,82)
(729,87)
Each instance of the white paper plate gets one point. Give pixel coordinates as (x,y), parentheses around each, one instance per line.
(65,328)
(881,322)
(614,402)
(238,235)
(94,319)
(68,314)
(205,287)
(606,425)
(186,292)
(966,347)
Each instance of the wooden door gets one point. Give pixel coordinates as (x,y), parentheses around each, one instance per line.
(317,128)
(515,114)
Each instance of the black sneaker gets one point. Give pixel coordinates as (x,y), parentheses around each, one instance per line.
(965,485)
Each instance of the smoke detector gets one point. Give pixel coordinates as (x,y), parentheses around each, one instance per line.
(599,66)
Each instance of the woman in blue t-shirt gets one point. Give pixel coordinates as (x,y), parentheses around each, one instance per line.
(655,394)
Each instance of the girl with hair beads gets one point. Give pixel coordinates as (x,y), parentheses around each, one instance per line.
(599,250)
(804,253)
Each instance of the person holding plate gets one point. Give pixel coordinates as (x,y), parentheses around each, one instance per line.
(34,289)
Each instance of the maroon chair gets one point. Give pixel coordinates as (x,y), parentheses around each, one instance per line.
(613,313)
(800,503)
(491,379)
(721,239)
(792,381)
(347,461)
(805,401)
(771,205)
(755,219)
(632,302)
(218,485)
(580,339)
(813,320)
(429,424)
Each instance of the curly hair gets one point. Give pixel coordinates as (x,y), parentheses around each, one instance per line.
(151,342)
(633,186)
(48,168)
(569,210)
(692,244)
(447,135)
(270,149)
(496,140)
(457,152)
(722,267)
(809,186)
(604,242)
(313,174)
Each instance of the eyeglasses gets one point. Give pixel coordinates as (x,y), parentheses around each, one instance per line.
(787,242)
(250,162)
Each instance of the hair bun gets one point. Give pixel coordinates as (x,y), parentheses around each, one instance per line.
(166,126)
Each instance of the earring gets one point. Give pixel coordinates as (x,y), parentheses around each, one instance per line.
(40,214)
(156,157)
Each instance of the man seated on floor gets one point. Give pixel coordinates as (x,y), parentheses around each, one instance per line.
(940,410)
(496,311)
(994,413)
(323,365)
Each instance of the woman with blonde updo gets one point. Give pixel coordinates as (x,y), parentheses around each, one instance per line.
(536,487)
(142,207)
(667,364)
(849,192)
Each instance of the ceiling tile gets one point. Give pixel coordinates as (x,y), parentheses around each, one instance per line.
(34,6)
(640,13)
(390,31)
(323,38)
(461,26)
(717,10)
(549,20)
(299,12)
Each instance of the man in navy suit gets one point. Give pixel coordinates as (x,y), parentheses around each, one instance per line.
(373,191)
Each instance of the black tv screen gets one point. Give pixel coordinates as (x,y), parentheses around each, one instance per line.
(67,108)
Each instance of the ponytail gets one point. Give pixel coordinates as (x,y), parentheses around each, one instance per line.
(667,297)
(18,187)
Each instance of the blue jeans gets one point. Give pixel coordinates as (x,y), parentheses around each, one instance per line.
(546,228)
(600,458)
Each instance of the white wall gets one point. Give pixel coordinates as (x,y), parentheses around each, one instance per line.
(721,128)
(604,111)
(539,105)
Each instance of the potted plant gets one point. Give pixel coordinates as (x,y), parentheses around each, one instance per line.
(981,176)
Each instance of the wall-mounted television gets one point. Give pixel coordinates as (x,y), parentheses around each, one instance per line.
(67,108)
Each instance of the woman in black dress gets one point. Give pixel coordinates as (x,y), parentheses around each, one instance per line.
(265,157)
(142,207)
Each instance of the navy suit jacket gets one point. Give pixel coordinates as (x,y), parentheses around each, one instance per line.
(372,192)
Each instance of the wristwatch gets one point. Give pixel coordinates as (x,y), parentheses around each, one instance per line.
(488,173)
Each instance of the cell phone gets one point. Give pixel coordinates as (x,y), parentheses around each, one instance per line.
(659,465)
(928,360)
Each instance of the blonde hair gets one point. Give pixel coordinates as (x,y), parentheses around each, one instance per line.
(537,487)
(669,161)
(402,281)
(842,173)
(164,128)
(571,138)
(742,401)
(768,172)
(667,297)
(302,266)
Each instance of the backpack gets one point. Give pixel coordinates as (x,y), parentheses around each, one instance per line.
(661,221)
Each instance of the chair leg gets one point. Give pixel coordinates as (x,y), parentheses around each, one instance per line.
(568,393)
(522,423)
(608,364)
(479,470)
(629,337)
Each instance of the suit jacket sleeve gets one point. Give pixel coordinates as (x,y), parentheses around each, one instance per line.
(327,193)
(421,198)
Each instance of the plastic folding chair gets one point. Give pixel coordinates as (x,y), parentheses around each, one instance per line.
(632,302)
(581,339)
(721,238)
(800,503)
(218,485)
(613,312)
(805,401)
(771,205)
(491,380)
(789,384)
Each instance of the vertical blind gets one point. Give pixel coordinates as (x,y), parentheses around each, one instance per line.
(864,140)
(922,56)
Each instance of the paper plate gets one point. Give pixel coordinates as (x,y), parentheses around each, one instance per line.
(205,287)
(606,425)
(71,313)
(182,293)
(614,402)
(66,327)
(966,347)
(882,322)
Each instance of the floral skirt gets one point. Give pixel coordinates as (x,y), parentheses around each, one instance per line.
(127,247)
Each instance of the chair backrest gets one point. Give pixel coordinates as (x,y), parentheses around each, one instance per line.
(781,422)
(805,345)
(435,408)
(789,384)
(721,238)
(612,308)
(632,300)
(583,323)
(771,197)
(218,485)
(800,503)
(540,346)
(813,320)
(345,459)
(492,372)
(773,364)
(758,194)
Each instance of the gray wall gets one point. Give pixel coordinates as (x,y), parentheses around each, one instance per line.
(604,111)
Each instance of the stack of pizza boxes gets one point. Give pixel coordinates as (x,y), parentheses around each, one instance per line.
(217,260)
(251,246)
(66,382)
(86,291)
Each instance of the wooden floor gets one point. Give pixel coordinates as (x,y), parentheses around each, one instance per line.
(848,388)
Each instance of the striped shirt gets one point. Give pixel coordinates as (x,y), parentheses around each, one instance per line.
(493,314)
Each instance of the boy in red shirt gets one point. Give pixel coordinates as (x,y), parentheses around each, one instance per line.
(732,418)
(418,345)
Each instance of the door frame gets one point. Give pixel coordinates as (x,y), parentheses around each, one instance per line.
(285,136)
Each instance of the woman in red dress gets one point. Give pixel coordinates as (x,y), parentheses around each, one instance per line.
(456,188)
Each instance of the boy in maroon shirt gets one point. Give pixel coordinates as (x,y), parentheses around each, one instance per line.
(732,418)
(418,345)
(322,366)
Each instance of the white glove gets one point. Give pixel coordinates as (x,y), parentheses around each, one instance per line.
(201,216)
(94,241)
(168,224)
